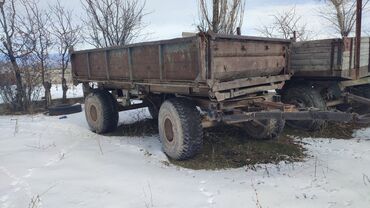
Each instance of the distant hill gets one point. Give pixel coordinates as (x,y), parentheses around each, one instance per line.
(53,61)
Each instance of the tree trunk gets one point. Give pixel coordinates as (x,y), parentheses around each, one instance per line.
(216,16)
(47,87)
(65,89)
(340,17)
(20,96)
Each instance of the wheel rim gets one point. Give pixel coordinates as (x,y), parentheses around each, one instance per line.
(93,113)
(168,129)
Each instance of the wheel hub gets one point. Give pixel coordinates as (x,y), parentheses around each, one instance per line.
(93,113)
(168,128)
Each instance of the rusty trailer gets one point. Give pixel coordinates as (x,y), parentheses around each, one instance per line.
(330,75)
(330,58)
(206,66)
(192,83)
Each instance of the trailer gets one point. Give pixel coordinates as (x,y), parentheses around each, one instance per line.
(193,83)
(325,76)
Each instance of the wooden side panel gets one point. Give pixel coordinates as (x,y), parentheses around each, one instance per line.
(316,57)
(349,56)
(145,62)
(248,58)
(80,65)
(177,60)
(98,65)
(181,61)
(118,65)
(330,58)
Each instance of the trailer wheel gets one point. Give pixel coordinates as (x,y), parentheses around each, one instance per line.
(265,129)
(303,97)
(364,91)
(101,111)
(180,129)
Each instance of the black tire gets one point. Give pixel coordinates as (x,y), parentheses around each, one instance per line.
(101,111)
(64,110)
(364,91)
(265,129)
(305,97)
(180,129)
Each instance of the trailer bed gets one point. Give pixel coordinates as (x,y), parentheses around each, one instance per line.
(202,65)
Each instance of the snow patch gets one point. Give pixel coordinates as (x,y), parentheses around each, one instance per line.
(61,162)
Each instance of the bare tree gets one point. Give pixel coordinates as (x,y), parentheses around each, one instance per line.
(66,35)
(41,19)
(7,82)
(341,14)
(221,16)
(17,41)
(284,25)
(32,78)
(113,22)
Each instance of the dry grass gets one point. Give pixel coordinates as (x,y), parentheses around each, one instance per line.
(138,129)
(229,147)
(332,130)
(226,147)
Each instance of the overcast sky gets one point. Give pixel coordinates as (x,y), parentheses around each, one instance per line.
(169,18)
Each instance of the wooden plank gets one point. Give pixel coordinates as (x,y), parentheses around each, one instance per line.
(311,62)
(317,42)
(296,50)
(241,83)
(345,84)
(145,63)
(315,56)
(118,65)
(221,55)
(243,49)
(315,68)
(234,67)
(80,64)
(221,96)
(321,73)
(332,56)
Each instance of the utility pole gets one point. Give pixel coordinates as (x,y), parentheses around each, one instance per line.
(358,36)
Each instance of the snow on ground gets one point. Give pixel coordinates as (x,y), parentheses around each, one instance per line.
(66,165)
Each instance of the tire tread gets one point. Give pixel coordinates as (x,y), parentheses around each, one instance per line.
(192,128)
(314,96)
(110,112)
